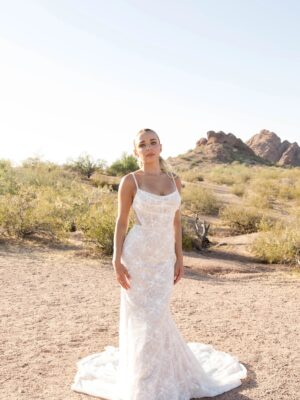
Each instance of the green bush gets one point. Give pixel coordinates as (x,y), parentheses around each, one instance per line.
(85,165)
(187,235)
(192,175)
(40,197)
(200,200)
(98,223)
(230,174)
(289,188)
(281,244)
(8,180)
(273,183)
(238,189)
(240,219)
(38,174)
(258,201)
(187,242)
(126,164)
(33,211)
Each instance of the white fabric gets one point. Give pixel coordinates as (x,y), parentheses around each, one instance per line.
(153,362)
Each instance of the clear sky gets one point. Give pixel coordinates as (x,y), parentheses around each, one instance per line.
(84,76)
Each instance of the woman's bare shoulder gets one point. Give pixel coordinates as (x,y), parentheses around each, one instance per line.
(127,181)
(177,180)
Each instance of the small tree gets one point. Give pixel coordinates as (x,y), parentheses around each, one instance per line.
(127,163)
(85,165)
(32,162)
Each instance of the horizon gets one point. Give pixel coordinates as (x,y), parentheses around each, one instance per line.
(93,159)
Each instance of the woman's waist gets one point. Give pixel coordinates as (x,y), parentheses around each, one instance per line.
(150,233)
(162,227)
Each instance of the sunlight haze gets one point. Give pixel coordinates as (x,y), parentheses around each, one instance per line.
(84,76)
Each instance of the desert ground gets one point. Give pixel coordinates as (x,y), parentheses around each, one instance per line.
(59,304)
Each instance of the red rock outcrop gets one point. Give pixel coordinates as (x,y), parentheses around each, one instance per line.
(222,147)
(263,148)
(268,145)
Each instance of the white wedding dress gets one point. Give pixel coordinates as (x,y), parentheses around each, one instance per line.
(153,361)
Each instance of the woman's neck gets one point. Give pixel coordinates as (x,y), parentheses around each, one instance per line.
(154,171)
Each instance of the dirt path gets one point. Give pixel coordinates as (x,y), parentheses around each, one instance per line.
(58,306)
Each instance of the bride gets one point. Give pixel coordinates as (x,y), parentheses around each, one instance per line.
(152,361)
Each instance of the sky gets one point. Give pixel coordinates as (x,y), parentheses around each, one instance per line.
(83,77)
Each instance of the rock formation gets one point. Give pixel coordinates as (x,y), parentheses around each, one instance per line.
(222,147)
(263,148)
(268,145)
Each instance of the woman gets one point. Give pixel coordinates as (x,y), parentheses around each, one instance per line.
(153,362)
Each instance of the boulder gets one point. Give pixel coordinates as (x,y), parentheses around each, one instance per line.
(268,145)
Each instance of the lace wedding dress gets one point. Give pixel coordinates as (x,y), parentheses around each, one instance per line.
(153,361)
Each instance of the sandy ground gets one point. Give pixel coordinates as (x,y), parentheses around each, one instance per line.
(58,305)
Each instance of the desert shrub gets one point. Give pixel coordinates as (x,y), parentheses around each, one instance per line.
(194,163)
(187,242)
(106,182)
(268,173)
(267,222)
(258,200)
(289,188)
(85,165)
(32,162)
(281,244)
(124,165)
(5,164)
(192,175)
(277,183)
(34,210)
(262,185)
(229,174)
(238,189)
(8,180)
(263,188)
(187,235)
(37,173)
(200,200)
(98,223)
(241,219)
(45,198)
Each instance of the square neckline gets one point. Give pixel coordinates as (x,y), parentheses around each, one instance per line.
(158,195)
(154,194)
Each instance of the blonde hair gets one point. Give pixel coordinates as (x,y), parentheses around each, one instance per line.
(164,166)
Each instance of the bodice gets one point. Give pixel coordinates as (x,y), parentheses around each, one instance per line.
(155,211)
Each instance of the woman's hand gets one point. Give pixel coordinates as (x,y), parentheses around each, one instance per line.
(122,275)
(178,270)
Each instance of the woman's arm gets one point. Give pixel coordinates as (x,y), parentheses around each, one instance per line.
(178,235)
(177,226)
(121,226)
(178,267)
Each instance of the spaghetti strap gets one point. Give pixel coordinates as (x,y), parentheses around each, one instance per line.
(174,181)
(132,173)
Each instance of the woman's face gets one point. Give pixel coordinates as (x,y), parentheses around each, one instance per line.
(147,147)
